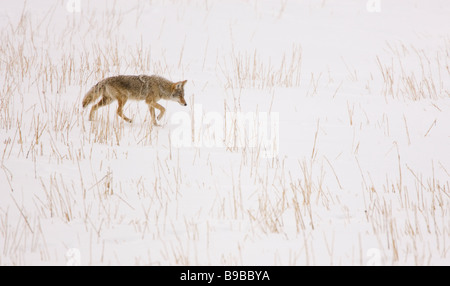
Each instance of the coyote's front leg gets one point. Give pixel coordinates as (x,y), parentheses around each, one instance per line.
(152,105)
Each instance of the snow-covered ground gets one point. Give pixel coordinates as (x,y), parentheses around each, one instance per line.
(317,133)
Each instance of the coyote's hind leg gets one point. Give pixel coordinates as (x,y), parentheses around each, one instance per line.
(122,101)
(152,115)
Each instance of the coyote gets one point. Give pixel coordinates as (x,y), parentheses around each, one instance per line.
(148,88)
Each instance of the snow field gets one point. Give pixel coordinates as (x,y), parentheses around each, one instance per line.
(342,158)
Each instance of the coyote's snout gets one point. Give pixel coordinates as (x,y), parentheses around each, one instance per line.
(121,88)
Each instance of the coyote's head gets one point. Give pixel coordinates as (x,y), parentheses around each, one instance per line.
(178,93)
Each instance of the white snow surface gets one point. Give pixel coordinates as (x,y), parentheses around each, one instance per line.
(350,166)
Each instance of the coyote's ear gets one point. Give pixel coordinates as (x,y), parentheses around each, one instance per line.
(179,85)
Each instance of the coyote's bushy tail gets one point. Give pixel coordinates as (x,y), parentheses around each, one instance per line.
(93,94)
